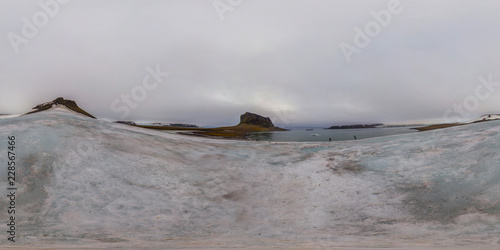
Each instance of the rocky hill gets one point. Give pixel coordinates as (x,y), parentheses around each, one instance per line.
(70,104)
(254,119)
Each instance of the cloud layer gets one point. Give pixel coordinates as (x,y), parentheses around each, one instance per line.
(280,58)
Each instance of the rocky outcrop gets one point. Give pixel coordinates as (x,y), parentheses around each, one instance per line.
(126,122)
(254,119)
(70,104)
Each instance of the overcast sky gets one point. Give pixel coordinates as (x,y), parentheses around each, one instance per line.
(279,58)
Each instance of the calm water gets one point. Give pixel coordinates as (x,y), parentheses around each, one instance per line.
(320,134)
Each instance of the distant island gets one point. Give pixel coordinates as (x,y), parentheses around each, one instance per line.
(182,125)
(126,122)
(158,124)
(357,126)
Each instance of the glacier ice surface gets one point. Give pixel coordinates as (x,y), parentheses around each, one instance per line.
(90,183)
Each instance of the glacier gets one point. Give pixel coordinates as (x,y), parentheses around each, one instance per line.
(91,183)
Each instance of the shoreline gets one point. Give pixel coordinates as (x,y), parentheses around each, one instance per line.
(449,125)
(238,132)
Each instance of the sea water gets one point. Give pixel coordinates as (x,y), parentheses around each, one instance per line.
(321,134)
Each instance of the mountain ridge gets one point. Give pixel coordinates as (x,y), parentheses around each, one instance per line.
(70,104)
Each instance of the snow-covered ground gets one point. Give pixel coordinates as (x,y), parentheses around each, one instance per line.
(9,116)
(489,117)
(90,183)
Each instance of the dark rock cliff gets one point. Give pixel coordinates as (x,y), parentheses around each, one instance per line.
(254,119)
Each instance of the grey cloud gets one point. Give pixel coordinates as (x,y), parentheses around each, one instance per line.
(266,56)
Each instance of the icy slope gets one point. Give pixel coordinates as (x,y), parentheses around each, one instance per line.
(84,182)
